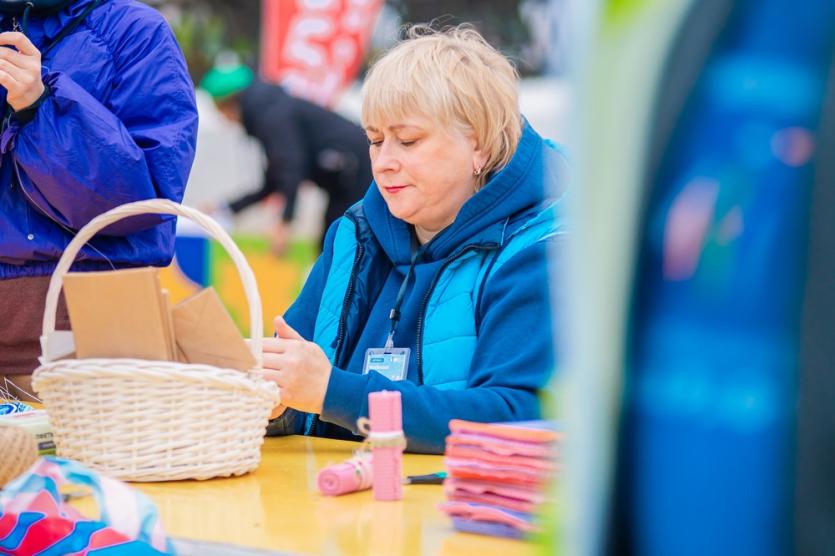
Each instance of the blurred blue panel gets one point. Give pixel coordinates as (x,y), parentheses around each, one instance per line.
(193,258)
(711,392)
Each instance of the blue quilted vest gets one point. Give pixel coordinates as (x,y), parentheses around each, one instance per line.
(447,325)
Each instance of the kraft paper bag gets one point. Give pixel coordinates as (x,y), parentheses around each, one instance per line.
(205,333)
(168,322)
(118,314)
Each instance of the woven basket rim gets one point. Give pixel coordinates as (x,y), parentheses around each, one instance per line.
(138,369)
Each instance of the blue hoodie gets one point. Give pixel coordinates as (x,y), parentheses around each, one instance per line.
(514,354)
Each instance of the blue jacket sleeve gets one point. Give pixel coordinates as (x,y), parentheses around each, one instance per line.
(510,365)
(79,156)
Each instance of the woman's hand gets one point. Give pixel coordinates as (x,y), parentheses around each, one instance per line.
(300,368)
(20,71)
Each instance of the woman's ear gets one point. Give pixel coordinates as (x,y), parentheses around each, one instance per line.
(479,156)
(479,161)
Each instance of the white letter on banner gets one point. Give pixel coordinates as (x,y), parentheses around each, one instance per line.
(343,53)
(318,4)
(299,49)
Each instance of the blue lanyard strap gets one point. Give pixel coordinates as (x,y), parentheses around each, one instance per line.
(394,314)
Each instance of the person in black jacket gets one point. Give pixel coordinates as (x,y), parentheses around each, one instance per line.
(302,141)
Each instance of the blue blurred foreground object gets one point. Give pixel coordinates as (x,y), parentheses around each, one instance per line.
(707,449)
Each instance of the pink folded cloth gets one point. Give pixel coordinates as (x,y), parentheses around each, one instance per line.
(487,528)
(478,512)
(515,498)
(487,456)
(504,474)
(494,501)
(502,446)
(498,474)
(523,431)
(516,492)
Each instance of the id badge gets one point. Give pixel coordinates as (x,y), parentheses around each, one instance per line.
(392,363)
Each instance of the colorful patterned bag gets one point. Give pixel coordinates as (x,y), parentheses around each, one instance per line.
(35,518)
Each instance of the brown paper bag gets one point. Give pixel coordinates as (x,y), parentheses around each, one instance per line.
(205,333)
(168,321)
(117,314)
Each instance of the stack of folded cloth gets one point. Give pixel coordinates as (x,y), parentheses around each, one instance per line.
(498,475)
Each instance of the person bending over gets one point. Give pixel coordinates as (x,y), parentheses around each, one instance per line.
(301,140)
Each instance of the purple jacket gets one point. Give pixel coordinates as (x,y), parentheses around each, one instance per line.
(119,125)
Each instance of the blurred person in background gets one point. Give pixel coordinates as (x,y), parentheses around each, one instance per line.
(437,283)
(99,111)
(302,142)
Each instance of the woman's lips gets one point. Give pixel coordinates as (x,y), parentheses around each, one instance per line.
(394,188)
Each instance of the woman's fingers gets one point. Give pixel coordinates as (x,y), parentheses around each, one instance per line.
(274,345)
(270,345)
(268,374)
(272,362)
(15,58)
(19,41)
(283,379)
(8,81)
(284,330)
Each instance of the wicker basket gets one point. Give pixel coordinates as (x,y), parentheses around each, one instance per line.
(140,420)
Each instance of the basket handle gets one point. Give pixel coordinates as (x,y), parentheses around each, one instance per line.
(156,206)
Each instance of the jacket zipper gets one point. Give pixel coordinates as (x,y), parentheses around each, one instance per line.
(343,319)
(428,294)
(7,115)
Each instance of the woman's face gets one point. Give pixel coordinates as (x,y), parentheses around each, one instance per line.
(423,171)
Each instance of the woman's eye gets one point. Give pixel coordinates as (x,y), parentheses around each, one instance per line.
(374,143)
(408,143)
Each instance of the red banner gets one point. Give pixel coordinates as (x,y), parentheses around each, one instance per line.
(315,48)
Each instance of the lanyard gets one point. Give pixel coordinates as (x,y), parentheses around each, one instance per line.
(394,314)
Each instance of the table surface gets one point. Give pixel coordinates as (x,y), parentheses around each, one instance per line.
(278,507)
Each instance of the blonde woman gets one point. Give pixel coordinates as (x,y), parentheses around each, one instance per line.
(437,283)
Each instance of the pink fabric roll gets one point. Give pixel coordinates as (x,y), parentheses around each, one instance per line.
(385,411)
(352,475)
(385,414)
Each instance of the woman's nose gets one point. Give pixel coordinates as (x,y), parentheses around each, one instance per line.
(384,160)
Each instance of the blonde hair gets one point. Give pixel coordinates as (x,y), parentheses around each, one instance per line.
(454,77)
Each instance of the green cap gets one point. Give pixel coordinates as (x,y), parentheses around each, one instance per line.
(223,81)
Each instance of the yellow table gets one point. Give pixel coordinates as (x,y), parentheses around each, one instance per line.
(279,508)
